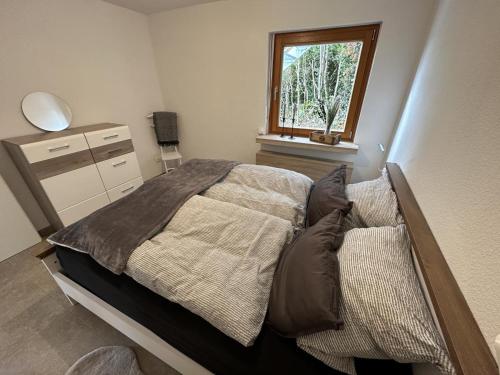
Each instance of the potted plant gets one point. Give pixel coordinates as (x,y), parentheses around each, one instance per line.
(328,111)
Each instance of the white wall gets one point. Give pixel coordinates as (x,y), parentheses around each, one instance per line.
(95,55)
(213,66)
(448,147)
(16,231)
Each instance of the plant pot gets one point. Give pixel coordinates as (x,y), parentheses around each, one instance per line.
(330,139)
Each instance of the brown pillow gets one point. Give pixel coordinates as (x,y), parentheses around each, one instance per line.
(306,289)
(327,194)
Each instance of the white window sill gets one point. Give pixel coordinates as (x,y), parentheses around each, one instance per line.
(305,143)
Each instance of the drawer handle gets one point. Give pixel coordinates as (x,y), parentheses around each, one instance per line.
(111,152)
(123,162)
(110,136)
(58,148)
(128,189)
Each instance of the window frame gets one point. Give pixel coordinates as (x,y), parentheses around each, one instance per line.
(368,34)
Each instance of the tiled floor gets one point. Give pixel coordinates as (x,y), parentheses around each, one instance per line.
(41,333)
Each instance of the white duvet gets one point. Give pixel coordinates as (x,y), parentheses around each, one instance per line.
(217,258)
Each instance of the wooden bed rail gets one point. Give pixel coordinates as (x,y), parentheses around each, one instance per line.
(468,349)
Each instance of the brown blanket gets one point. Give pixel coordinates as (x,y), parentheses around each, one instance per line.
(112,233)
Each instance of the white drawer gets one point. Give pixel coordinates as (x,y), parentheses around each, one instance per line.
(53,148)
(82,209)
(107,136)
(119,170)
(124,189)
(69,188)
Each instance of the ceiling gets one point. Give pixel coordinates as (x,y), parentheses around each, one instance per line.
(154,6)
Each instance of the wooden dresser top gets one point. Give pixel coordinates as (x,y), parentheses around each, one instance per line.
(25,139)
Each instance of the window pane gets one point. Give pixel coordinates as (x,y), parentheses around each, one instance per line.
(314,77)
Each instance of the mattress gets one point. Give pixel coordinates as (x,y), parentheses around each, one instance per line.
(196,338)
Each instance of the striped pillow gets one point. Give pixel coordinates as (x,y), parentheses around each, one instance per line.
(374,204)
(384,312)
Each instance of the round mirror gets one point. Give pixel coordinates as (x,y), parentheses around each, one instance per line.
(46,111)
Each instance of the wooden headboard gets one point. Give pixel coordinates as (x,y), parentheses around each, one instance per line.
(468,349)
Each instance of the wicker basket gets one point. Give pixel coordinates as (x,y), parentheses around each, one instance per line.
(329,139)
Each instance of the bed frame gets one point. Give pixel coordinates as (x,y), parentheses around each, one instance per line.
(468,349)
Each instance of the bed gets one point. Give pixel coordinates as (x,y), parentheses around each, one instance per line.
(192,346)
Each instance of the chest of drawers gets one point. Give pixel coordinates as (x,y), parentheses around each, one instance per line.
(74,172)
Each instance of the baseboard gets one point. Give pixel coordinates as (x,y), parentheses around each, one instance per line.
(47,231)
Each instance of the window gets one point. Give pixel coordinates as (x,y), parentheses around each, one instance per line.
(320,75)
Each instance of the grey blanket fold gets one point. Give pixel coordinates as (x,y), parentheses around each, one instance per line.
(112,233)
(166,128)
